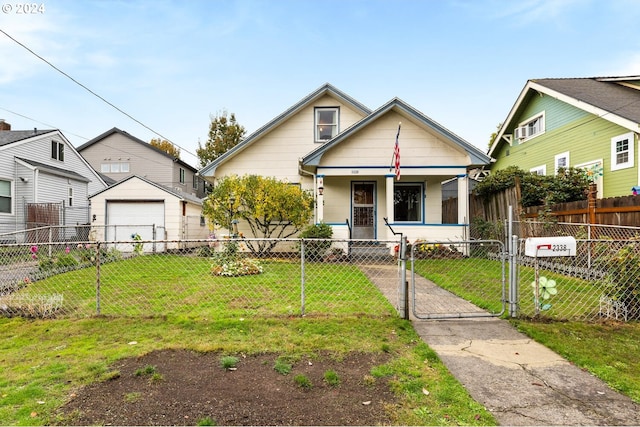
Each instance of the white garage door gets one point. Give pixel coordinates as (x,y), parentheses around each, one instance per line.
(125,218)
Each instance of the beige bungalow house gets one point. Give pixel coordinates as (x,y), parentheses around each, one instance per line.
(334,146)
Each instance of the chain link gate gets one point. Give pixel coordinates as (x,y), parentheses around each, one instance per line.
(460,279)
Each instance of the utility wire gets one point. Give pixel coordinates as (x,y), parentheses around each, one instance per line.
(42,123)
(92,92)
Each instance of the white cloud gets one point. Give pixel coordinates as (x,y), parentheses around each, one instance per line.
(33,31)
(530,11)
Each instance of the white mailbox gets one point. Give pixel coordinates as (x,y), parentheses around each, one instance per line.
(550,246)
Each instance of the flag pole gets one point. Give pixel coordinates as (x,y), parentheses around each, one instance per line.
(393,155)
(395,161)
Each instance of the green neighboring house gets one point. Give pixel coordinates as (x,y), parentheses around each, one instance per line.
(590,123)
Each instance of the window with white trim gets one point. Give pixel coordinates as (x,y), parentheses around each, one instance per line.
(407,202)
(622,151)
(57,150)
(530,128)
(326,123)
(181,176)
(6,201)
(70,198)
(540,170)
(561,161)
(195,181)
(116,167)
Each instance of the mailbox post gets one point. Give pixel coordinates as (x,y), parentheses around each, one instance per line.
(555,246)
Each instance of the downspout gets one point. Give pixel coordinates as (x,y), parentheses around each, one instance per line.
(315,196)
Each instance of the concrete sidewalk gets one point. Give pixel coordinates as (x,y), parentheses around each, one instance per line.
(520,381)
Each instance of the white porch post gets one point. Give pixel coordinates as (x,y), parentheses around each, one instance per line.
(320,198)
(389,197)
(463,199)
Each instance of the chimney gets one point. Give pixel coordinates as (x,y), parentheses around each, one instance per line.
(4,125)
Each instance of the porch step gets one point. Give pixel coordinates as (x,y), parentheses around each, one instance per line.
(370,252)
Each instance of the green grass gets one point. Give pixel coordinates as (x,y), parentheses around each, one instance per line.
(610,351)
(282,366)
(302,381)
(475,279)
(46,360)
(479,280)
(157,285)
(332,378)
(229,362)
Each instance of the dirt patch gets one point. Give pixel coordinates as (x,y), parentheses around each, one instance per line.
(179,387)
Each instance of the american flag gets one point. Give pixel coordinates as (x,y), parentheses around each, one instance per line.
(396,154)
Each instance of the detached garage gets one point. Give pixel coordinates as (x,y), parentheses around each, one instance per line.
(136,205)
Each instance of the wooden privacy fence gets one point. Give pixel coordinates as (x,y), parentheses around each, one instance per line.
(622,211)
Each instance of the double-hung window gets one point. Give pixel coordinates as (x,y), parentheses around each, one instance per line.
(5,197)
(326,123)
(622,151)
(70,199)
(181,176)
(407,202)
(57,150)
(561,161)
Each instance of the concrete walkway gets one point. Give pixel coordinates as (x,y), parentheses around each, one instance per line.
(520,381)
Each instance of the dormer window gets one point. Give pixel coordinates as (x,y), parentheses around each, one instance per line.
(57,151)
(326,123)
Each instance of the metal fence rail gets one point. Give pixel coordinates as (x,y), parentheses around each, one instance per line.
(204,278)
(602,281)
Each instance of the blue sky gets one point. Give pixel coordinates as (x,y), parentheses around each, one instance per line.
(172,64)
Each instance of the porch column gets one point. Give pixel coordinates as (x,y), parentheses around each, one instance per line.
(389,197)
(463,199)
(319,198)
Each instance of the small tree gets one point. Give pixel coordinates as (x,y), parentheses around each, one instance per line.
(273,209)
(224,134)
(166,146)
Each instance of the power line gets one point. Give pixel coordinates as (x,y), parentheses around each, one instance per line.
(93,93)
(42,123)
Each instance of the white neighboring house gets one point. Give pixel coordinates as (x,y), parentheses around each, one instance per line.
(43,181)
(136,205)
(332,145)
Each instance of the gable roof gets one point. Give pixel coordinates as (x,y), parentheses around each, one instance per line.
(53,170)
(8,137)
(115,130)
(180,195)
(326,89)
(477,156)
(616,99)
(11,136)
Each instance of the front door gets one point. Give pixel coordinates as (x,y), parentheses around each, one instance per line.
(363,209)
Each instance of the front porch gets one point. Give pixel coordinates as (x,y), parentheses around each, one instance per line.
(369,205)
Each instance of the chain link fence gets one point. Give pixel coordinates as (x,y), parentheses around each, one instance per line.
(51,273)
(209,278)
(601,281)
